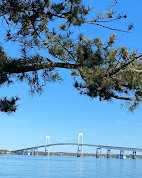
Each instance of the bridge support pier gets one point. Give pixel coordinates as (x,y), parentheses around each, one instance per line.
(121,154)
(134,155)
(36,151)
(31,152)
(108,153)
(80,150)
(47,149)
(98,152)
(20,152)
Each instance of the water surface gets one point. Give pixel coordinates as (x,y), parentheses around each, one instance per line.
(16,166)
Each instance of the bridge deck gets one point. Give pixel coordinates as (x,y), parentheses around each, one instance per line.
(89,145)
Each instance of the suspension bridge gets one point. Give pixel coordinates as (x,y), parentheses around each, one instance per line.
(80,145)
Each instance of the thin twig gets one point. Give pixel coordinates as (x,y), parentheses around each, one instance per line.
(113,72)
(115,29)
(103,21)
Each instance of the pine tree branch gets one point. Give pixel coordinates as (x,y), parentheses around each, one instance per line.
(113,72)
(104,21)
(126,98)
(134,70)
(15,68)
(115,29)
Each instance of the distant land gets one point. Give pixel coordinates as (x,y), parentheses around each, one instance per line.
(7,152)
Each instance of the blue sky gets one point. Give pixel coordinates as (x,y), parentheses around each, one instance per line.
(62,113)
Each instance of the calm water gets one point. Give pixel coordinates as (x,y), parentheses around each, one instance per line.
(70,167)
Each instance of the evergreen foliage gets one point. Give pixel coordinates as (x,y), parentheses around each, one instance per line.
(107,72)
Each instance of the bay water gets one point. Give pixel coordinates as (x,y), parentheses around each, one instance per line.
(18,166)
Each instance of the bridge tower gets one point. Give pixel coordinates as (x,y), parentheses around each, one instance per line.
(80,146)
(47,147)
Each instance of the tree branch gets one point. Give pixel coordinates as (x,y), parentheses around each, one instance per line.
(103,21)
(113,72)
(134,70)
(13,68)
(115,29)
(126,98)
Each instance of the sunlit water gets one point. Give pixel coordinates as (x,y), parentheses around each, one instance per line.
(70,167)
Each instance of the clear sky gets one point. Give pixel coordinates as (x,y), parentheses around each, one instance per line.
(62,113)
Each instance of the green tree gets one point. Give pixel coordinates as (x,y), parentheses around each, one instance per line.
(107,72)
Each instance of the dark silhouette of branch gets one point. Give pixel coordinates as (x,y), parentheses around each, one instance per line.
(126,98)
(113,72)
(15,68)
(110,28)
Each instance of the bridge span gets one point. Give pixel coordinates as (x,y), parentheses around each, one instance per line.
(84,144)
(80,148)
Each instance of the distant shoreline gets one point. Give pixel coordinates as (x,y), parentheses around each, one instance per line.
(7,152)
